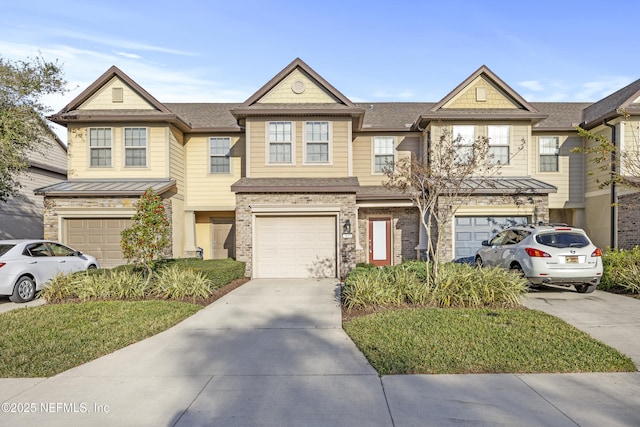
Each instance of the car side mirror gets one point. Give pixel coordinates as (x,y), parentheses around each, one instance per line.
(485,243)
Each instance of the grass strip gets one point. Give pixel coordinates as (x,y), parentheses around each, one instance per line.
(45,340)
(460,341)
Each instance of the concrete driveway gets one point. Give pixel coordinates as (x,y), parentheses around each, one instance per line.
(612,319)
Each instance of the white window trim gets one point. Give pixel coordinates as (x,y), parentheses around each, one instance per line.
(210,172)
(268,143)
(329,161)
(373,152)
(508,144)
(557,138)
(146,148)
(89,165)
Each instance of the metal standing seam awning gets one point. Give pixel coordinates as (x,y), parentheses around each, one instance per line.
(118,188)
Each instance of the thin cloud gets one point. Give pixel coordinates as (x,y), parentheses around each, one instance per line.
(128,55)
(532,85)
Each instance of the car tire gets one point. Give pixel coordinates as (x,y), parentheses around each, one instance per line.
(478,262)
(24,290)
(518,268)
(585,288)
(92,267)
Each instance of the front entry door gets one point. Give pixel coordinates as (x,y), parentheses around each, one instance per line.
(223,238)
(380,241)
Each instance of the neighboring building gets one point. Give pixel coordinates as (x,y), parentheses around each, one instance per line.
(21,215)
(290,181)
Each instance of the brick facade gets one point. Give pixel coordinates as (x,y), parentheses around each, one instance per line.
(629,221)
(298,202)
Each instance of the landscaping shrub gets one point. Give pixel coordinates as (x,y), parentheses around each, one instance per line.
(621,270)
(174,279)
(458,285)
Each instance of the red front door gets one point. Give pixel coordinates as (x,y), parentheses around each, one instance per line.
(380,241)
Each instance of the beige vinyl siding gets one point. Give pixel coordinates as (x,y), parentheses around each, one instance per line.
(289,91)
(157,156)
(593,175)
(206,190)
(570,176)
(103,99)
(598,219)
(51,154)
(338,165)
(495,97)
(405,143)
(631,145)
(176,158)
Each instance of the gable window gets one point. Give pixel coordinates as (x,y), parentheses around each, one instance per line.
(280,142)
(135,147)
(463,138)
(219,151)
(317,142)
(549,151)
(383,153)
(498,144)
(100,147)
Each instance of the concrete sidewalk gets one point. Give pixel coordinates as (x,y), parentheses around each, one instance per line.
(273,353)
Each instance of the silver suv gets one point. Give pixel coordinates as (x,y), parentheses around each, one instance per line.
(546,254)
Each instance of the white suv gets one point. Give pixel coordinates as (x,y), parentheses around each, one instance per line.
(546,254)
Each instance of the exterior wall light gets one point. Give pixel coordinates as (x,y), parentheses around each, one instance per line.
(346,228)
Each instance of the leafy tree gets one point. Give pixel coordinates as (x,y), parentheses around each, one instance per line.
(22,124)
(143,243)
(443,182)
(619,164)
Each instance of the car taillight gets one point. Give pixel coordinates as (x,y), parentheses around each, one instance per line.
(537,253)
(596,253)
(2,264)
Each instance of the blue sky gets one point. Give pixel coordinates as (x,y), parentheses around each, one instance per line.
(401,50)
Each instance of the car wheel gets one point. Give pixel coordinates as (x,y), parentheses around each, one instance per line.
(518,269)
(92,267)
(585,288)
(24,290)
(478,261)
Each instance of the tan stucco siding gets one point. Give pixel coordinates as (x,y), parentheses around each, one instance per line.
(406,144)
(468,97)
(570,176)
(79,160)
(598,219)
(338,150)
(297,87)
(206,190)
(103,98)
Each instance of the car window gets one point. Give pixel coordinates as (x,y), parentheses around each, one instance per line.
(4,248)
(563,240)
(496,241)
(510,238)
(37,250)
(61,250)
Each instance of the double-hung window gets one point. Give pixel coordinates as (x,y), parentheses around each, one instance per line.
(100,147)
(317,142)
(383,153)
(549,151)
(280,142)
(219,150)
(498,144)
(463,138)
(135,147)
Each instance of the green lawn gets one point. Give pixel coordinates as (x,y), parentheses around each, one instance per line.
(456,341)
(45,340)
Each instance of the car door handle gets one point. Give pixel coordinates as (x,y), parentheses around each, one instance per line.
(61,261)
(33,262)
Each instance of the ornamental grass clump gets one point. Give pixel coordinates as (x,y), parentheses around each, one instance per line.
(176,283)
(621,270)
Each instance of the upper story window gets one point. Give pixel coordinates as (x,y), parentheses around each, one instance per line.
(135,147)
(463,138)
(383,153)
(219,153)
(317,142)
(280,142)
(498,144)
(549,151)
(100,147)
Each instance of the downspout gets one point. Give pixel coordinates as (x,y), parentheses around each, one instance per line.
(613,183)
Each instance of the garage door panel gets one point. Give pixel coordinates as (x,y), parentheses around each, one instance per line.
(99,237)
(471,231)
(295,246)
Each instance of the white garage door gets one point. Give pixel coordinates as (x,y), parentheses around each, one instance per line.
(295,246)
(472,230)
(99,237)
